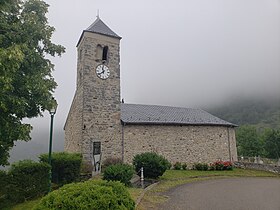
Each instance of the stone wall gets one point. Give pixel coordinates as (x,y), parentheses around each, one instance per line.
(185,144)
(258,166)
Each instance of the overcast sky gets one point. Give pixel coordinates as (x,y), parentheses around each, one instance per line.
(181,53)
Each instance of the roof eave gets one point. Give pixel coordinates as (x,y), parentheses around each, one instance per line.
(116,37)
(178,123)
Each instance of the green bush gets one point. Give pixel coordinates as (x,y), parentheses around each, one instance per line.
(154,165)
(65,167)
(89,195)
(177,166)
(110,161)
(201,166)
(119,172)
(27,180)
(184,166)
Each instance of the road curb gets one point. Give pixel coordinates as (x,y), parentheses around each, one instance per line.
(143,193)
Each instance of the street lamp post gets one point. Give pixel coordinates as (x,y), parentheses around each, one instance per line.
(52,113)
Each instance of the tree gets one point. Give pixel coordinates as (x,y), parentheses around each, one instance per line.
(249,142)
(26,81)
(272,144)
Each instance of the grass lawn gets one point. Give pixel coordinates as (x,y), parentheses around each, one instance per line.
(28,205)
(170,178)
(173,178)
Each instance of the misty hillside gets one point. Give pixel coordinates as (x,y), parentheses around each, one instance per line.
(38,145)
(259,112)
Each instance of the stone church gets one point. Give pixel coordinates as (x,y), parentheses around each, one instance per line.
(99,124)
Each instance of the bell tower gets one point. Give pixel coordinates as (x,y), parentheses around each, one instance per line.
(93,124)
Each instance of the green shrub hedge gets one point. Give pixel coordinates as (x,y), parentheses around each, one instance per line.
(119,172)
(65,167)
(89,195)
(177,166)
(201,166)
(154,165)
(27,180)
(184,166)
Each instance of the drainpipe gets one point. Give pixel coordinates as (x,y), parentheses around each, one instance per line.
(229,152)
(123,124)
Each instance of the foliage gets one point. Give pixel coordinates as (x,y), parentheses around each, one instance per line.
(258,142)
(221,165)
(26,81)
(65,166)
(154,165)
(110,161)
(249,142)
(201,166)
(27,180)
(177,166)
(91,195)
(272,143)
(184,166)
(4,178)
(119,172)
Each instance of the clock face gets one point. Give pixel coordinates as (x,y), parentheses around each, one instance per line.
(102,71)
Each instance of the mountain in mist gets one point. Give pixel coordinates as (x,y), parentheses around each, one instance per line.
(259,112)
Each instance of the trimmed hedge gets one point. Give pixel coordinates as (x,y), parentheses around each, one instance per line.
(27,180)
(65,167)
(89,195)
(154,165)
(119,172)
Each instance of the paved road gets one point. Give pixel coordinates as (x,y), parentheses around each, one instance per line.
(226,194)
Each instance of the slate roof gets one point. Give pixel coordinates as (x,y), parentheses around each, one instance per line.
(154,114)
(99,27)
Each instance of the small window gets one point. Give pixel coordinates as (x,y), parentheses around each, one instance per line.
(105,53)
(99,52)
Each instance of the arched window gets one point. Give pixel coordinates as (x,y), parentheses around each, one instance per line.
(105,54)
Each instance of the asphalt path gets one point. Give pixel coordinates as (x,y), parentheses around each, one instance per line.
(225,194)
